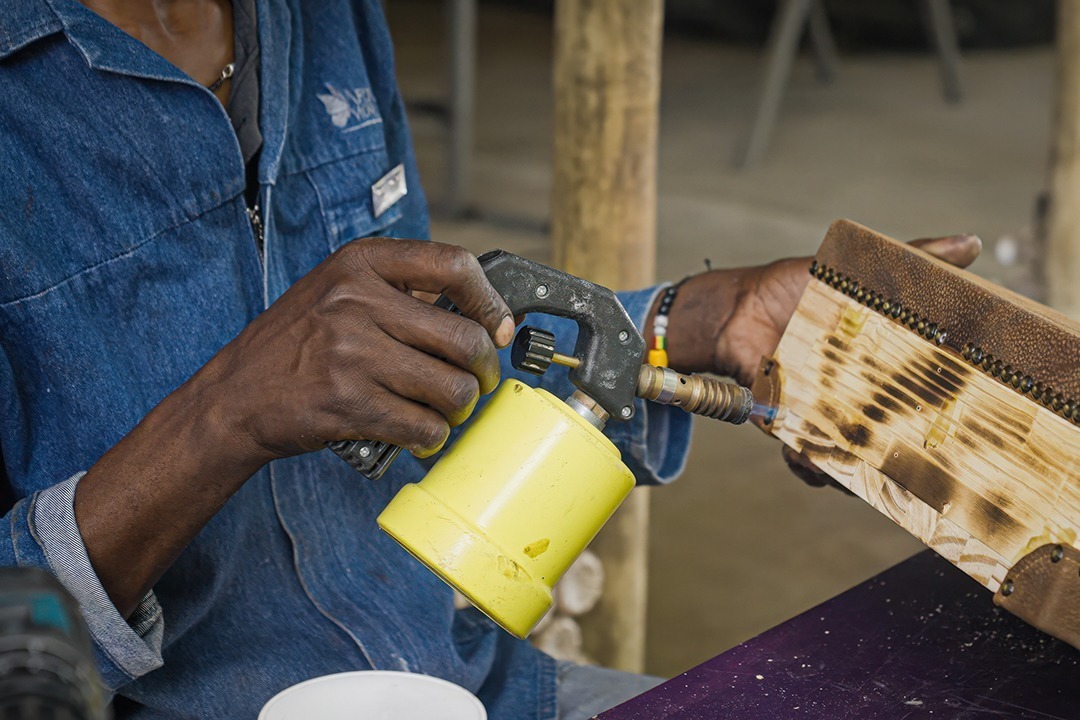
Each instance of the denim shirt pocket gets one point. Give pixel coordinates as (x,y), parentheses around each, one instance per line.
(337,143)
(344,191)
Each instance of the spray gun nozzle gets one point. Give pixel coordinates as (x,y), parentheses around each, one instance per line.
(698,394)
(764,412)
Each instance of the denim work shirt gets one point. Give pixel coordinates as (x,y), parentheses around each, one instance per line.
(127,261)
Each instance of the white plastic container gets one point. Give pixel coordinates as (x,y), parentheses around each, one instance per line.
(374,695)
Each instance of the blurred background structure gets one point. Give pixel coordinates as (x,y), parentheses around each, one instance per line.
(738,545)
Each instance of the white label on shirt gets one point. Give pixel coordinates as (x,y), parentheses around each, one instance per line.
(388,189)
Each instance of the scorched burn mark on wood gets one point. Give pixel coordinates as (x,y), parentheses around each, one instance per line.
(897,394)
(875,413)
(920,390)
(829,412)
(929,481)
(940,489)
(838,343)
(887,402)
(857,434)
(832,356)
(1012,430)
(871,362)
(986,434)
(934,375)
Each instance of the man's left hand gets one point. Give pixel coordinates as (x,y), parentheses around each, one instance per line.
(725,321)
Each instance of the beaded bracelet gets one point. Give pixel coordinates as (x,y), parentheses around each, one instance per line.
(658,356)
(658,353)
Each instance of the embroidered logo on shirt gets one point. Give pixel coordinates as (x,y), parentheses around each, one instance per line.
(350,109)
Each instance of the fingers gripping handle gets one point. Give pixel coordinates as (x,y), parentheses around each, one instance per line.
(608,344)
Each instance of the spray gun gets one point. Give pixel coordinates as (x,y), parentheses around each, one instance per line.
(606,365)
(517,497)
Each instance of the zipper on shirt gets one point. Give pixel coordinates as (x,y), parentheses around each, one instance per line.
(255,217)
(258,213)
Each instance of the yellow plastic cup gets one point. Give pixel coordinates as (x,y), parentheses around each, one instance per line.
(512,503)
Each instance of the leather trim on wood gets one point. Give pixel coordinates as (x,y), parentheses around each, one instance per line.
(766,391)
(1043,589)
(1033,339)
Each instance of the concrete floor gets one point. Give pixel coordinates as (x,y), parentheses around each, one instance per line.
(738,545)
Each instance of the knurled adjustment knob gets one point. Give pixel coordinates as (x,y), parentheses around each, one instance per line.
(532,350)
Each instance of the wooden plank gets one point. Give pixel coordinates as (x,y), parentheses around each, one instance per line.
(962,461)
(949,404)
(607,91)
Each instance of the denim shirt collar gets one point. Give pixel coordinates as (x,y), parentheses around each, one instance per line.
(108,48)
(23,22)
(104,46)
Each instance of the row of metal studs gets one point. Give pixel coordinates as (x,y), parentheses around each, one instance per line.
(996,368)
(1068,409)
(874,301)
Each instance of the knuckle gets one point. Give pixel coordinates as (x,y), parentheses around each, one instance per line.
(354,250)
(362,253)
(358,245)
(460,265)
(351,400)
(456,259)
(337,297)
(471,341)
(477,346)
(461,391)
(429,434)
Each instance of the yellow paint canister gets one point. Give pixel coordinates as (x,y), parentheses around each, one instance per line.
(512,504)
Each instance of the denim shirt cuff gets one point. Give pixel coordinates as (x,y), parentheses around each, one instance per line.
(132,646)
(656,443)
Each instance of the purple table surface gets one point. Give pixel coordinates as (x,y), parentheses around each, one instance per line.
(921,640)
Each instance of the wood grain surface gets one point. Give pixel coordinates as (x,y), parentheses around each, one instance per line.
(975,469)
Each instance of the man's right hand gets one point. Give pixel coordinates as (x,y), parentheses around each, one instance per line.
(345,353)
(348,353)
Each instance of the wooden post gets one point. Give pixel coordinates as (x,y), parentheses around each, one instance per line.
(607,90)
(1063,228)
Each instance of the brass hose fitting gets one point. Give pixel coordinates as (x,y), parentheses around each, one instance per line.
(698,394)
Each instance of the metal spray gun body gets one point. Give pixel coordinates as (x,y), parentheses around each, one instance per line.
(517,497)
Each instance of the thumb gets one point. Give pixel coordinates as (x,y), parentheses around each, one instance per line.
(960,250)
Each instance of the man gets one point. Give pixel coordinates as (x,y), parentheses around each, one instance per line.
(186,319)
